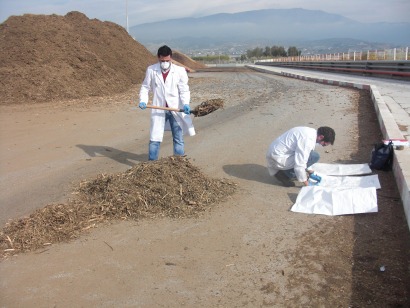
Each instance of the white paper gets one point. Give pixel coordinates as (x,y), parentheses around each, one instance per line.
(335,201)
(403,142)
(350,181)
(341,169)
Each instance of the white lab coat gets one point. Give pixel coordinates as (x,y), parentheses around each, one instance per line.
(292,150)
(174,92)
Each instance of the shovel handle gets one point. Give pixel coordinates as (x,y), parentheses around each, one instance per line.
(165,108)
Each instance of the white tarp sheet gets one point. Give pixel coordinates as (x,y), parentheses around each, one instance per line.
(335,201)
(338,194)
(341,169)
(350,181)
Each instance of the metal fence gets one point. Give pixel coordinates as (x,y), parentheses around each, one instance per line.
(396,54)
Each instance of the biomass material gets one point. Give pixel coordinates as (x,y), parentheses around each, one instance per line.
(170,187)
(208,106)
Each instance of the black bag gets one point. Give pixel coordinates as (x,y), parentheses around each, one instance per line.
(382,156)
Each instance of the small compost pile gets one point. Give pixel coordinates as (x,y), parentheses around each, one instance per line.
(208,106)
(170,187)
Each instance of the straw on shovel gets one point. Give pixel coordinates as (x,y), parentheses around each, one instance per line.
(203,109)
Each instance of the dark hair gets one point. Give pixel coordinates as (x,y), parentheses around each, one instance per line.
(164,51)
(327,133)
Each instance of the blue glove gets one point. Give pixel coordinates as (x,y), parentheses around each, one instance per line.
(142,105)
(315,177)
(187,109)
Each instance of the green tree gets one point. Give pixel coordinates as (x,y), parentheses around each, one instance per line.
(278,51)
(267,52)
(293,51)
(274,51)
(255,53)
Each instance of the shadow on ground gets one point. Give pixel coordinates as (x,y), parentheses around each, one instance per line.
(292,197)
(250,172)
(122,157)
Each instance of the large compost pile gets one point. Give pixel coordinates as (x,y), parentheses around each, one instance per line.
(186,61)
(49,57)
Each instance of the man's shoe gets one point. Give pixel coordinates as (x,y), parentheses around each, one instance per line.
(284,179)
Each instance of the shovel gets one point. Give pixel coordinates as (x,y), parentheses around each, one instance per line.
(203,109)
(194,112)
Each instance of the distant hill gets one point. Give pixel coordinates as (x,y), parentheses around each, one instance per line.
(340,45)
(266,28)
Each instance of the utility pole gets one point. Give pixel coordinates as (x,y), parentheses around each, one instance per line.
(126,13)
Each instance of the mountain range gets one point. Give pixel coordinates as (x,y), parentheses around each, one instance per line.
(281,27)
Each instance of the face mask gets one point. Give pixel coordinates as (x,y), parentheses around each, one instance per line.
(165,65)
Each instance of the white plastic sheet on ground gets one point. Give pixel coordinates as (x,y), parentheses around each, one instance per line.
(339,194)
(335,201)
(341,169)
(350,181)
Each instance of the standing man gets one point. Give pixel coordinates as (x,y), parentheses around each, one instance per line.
(169,85)
(292,153)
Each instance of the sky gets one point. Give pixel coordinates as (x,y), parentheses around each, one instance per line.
(145,11)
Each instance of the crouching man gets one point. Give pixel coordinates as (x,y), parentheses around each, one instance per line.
(292,153)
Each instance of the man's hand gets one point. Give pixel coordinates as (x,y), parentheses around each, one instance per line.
(187,109)
(142,105)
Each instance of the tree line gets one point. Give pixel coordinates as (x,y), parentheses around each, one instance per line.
(272,52)
(256,53)
(212,58)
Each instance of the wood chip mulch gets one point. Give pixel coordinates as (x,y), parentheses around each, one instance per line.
(170,187)
(207,107)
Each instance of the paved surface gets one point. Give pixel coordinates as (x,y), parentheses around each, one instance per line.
(391,99)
